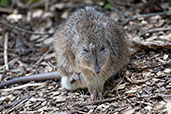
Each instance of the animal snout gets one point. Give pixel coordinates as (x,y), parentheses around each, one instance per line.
(97,69)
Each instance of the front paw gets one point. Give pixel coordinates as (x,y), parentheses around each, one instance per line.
(75,77)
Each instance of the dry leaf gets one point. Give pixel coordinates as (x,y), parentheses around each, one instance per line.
(119,87)
(169,107)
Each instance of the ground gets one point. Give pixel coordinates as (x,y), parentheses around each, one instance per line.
(143,88)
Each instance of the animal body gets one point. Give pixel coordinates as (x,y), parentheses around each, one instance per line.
(90,47)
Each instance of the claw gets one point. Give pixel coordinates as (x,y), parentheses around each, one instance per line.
(75,77)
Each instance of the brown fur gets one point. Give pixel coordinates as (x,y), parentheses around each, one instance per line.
(90,41)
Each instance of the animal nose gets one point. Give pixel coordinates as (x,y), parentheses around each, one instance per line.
(97,69)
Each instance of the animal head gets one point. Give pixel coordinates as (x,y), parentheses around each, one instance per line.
(93,55)
(92,39)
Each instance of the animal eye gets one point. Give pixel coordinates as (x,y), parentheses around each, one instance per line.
(102,48)
(85,50)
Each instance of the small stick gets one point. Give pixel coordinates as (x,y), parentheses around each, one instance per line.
(96,102)
(10,63)
(42,57)
(26,31)
(24,86)
(145,15)
(155,30)
(6,10)
(5,51)
(18,103)
(166,65)
(36,77)
(151,45)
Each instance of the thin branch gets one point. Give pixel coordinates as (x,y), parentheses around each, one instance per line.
(155,30)
(10,63)
(23,86)
(6,10)
(42,57)
(24,30)
(151,45)
(18,103)
(5,51)
(165,65)
(145,15)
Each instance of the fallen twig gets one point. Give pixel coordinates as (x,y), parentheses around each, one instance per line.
(133,81)
(98,101)
(145,15)
(6,10)
(10,63)
(155,66)
(165,65)
(24,30)
(16,103)
(151,45)
(155,30)
(5,51)
(42,57)
(22,86)
(129,79)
